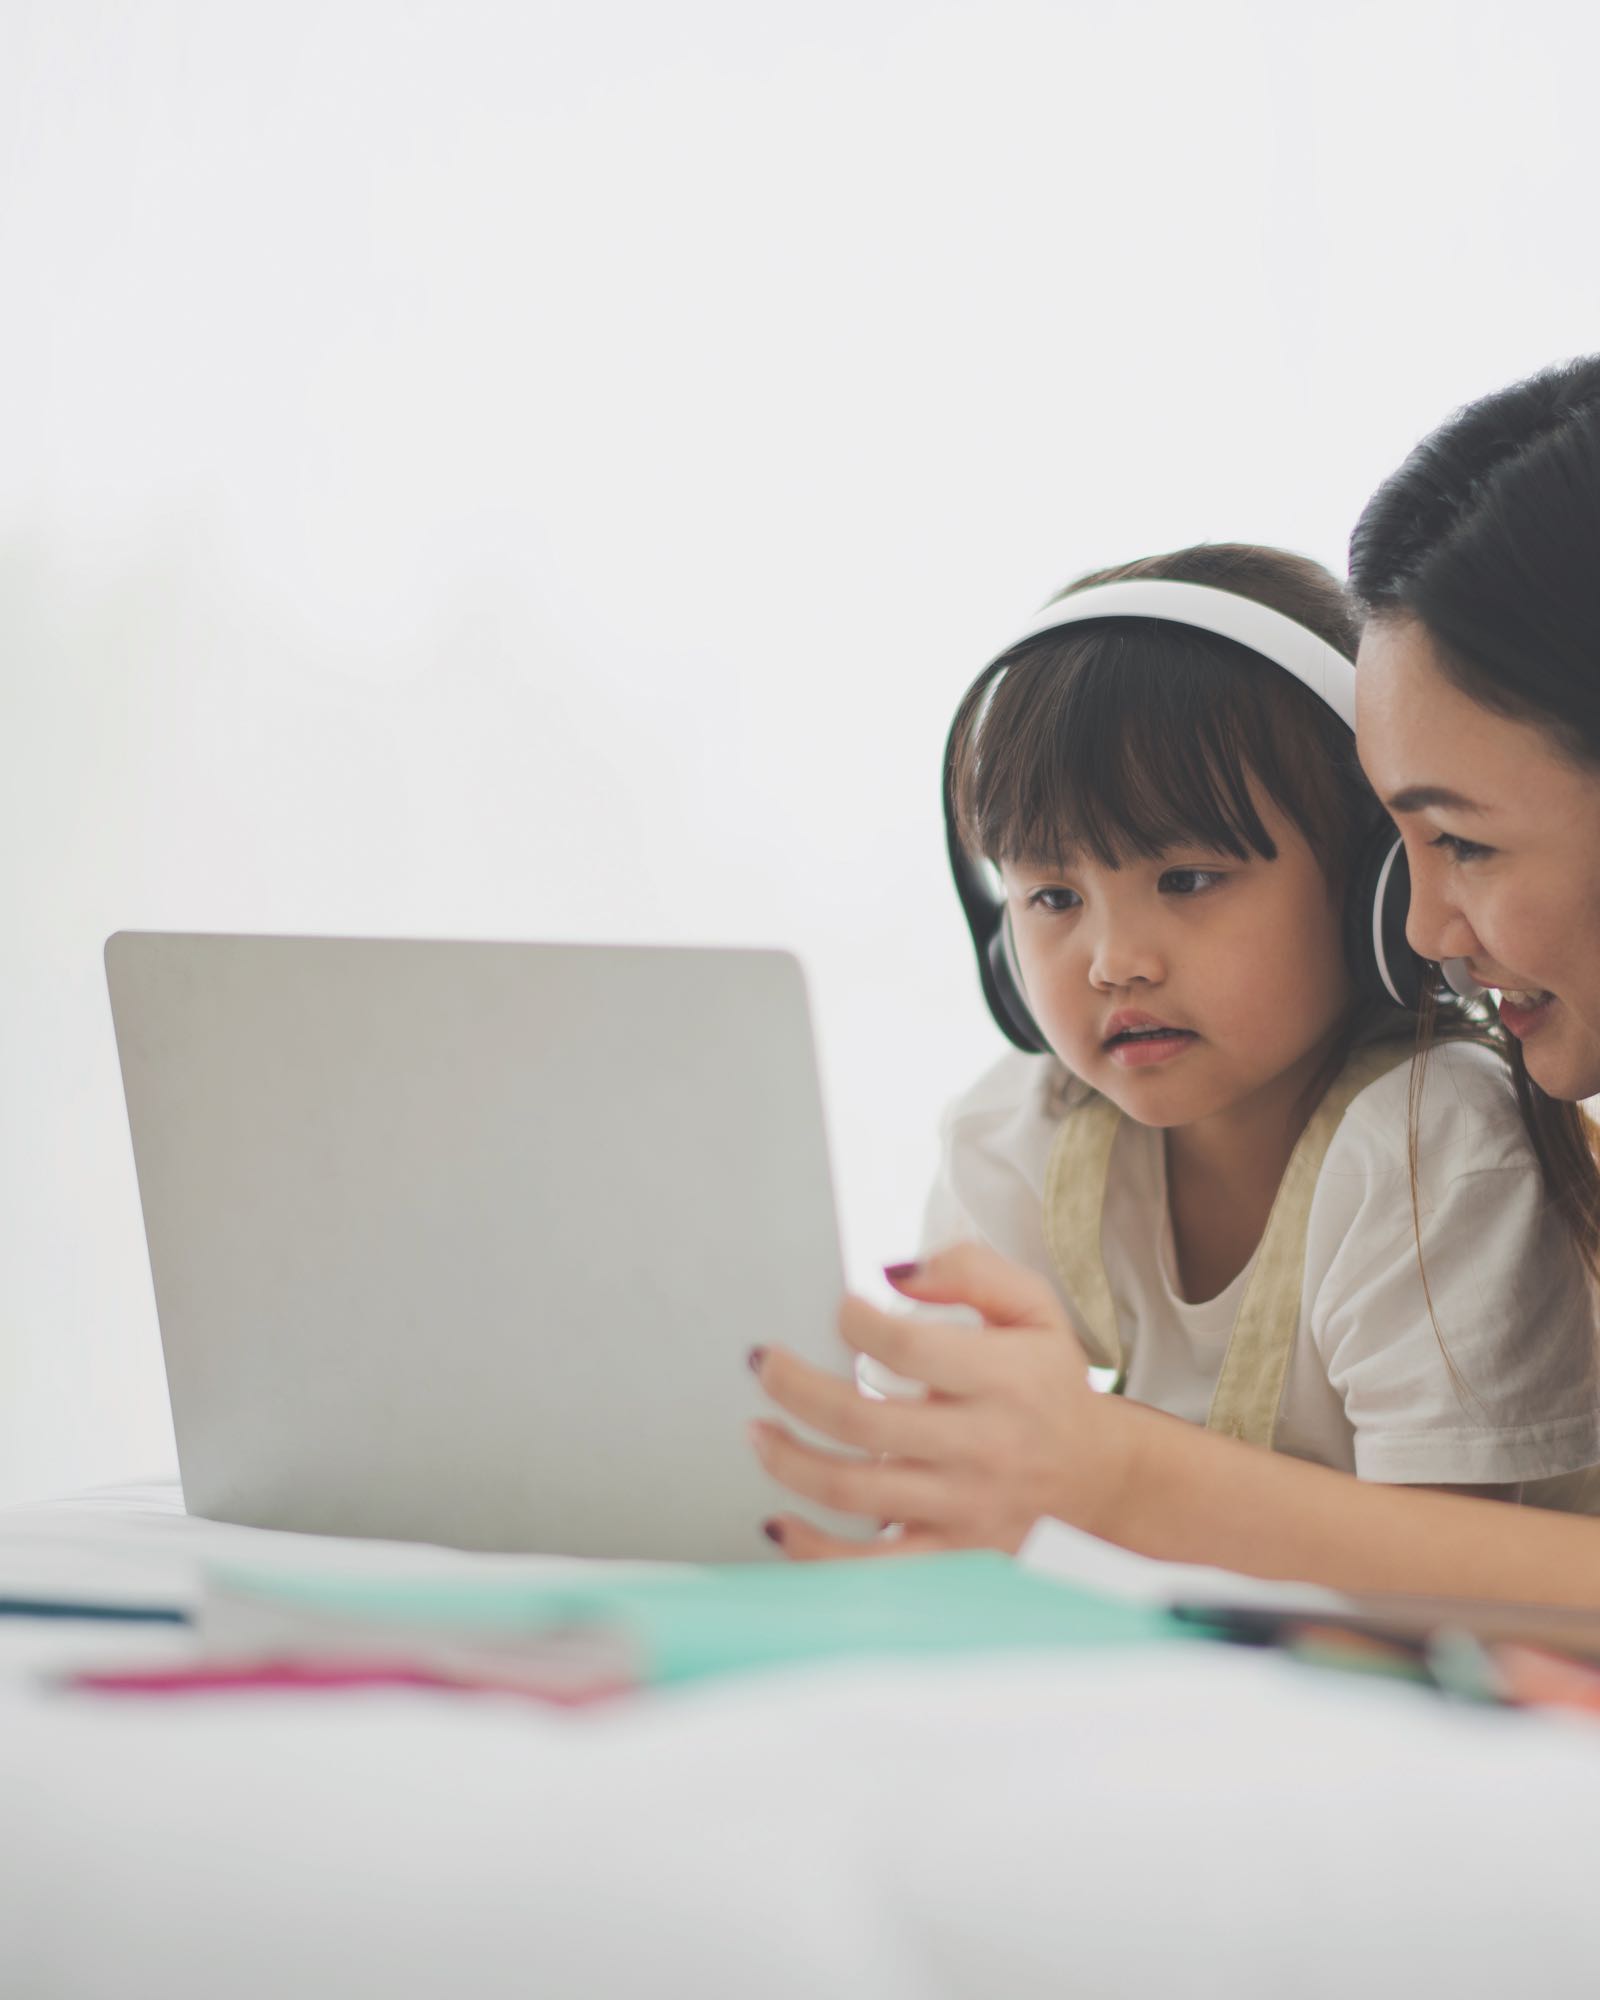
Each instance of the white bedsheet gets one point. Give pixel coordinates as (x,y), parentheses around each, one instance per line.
(1197,1823)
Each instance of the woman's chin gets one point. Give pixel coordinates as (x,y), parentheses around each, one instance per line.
(1564,1058)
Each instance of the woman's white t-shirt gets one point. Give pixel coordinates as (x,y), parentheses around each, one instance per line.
(1369,1388)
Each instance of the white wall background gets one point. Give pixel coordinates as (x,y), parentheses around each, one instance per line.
(548,470)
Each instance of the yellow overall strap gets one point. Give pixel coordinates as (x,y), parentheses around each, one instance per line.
(1256,1364)
(1074,1201)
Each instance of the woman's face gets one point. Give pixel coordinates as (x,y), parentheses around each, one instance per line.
(1502,833)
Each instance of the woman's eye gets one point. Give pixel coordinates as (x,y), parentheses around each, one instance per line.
(1458,849)
(1057,901)
(1188,881)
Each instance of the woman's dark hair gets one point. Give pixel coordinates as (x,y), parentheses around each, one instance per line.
(1489,534)
(1489,537)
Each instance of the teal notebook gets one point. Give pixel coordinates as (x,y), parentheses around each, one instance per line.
(685,1624)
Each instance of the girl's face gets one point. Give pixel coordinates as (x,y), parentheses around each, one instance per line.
(1185,986)
(1502,831)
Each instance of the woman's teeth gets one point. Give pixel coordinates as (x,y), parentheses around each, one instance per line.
(1523,999)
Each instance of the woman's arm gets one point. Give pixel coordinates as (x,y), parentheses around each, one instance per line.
(1190,1495)
(1012,1431)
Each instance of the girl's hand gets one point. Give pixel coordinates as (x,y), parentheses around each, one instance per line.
(1010,1430)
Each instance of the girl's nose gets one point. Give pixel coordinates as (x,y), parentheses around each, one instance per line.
(1123,957)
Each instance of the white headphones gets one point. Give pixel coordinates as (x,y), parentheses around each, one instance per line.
(1292,646)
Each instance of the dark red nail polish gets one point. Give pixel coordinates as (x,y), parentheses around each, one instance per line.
(773,1530)
(898,1273)
(755,1358)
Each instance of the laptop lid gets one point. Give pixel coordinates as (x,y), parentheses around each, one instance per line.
(467,1242)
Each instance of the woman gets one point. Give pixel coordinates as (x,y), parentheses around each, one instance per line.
(1478,563)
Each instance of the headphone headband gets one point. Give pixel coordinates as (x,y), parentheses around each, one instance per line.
(1290,645)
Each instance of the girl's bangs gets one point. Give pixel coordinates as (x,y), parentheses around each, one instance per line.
(1122,755)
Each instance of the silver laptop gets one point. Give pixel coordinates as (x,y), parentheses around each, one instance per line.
(467,1243)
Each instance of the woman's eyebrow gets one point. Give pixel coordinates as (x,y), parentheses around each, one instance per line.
(1418,798)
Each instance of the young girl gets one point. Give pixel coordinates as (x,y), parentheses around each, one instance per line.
(1212,1140)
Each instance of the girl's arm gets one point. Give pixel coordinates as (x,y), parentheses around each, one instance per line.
(1012,1431)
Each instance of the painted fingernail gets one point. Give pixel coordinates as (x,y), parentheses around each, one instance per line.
(898,1273)
(773,1530)
(755,1358)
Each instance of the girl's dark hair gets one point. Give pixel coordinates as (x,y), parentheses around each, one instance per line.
(1489,537)
(1129,737)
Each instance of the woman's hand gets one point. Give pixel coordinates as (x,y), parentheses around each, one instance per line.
(1010,1428)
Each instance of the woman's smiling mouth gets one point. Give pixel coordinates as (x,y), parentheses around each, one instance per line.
(1524,1014)
(1523,1010)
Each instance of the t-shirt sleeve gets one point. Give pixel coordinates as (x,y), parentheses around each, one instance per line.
(994,1148)
(1485,1371)
(994,1152)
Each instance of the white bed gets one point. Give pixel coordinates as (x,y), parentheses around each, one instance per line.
(1201,1822)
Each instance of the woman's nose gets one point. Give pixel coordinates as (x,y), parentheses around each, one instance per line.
(1436,925)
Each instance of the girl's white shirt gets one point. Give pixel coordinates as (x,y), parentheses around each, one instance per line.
(1369,1388)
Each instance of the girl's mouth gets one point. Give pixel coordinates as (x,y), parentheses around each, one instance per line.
(1138,1048)
(1524,1014)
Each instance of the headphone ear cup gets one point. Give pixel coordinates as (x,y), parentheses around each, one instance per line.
(988,923)
(1376,948)
(1003,988)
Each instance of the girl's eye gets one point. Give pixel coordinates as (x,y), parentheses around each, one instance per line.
(1460,850)
(1189,881)
(1057,901)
